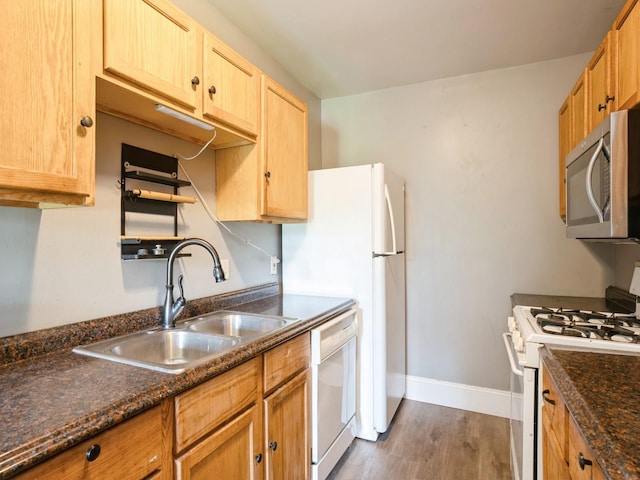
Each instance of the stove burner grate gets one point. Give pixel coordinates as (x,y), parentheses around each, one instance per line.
(586,324)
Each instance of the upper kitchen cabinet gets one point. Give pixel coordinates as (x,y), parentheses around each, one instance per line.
(231,93)
(580,119)
(154,45)
(155,54)
(48,102)
(267,182)
(565,143)
(601,79)
(626,33)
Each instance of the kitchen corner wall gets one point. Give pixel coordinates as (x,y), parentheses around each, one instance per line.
(480,157)
(63,266)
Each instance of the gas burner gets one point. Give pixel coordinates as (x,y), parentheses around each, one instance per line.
(616,327)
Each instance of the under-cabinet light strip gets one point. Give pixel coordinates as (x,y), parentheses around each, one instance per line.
(185,118)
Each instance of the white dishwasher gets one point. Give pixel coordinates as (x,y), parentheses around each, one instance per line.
(333,391)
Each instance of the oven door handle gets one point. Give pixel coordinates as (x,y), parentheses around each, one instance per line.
(507,343)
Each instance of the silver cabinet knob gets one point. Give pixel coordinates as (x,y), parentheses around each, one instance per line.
(86,121)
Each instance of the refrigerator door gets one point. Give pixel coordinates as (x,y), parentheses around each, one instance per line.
(388,211)
(389,342)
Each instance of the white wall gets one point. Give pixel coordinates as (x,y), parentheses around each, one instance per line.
(479,155)
(63,266)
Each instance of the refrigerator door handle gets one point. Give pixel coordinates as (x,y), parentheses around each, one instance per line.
(394,249)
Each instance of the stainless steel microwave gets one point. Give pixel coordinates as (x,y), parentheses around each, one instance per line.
(603,181)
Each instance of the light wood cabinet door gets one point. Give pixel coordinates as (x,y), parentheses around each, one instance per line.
(580,120)
(132,450)
(601,81)
(48,88)
(554,463)
(267,182)
(554,418)
(232,452)
(200,410)
(627,36)
(285,145)
(153,45)
(582,465)
(287,430)
(231,89)
(564,143)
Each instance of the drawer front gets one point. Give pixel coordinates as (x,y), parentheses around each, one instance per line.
(554,409)
(131,450)
(283,362)
(203,408)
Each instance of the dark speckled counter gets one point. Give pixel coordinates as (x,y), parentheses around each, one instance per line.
(52,398)
(602,392)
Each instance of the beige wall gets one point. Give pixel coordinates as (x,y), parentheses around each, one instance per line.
(479,155)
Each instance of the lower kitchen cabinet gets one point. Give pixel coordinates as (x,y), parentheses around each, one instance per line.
(133,450)
(287,432)
(218,426)
(565,452)
(229,452)
(252,417)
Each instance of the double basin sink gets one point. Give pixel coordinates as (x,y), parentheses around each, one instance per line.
(191,342)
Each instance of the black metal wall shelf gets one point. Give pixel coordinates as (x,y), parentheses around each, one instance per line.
(153,168)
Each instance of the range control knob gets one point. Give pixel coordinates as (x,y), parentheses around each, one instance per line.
(518,342)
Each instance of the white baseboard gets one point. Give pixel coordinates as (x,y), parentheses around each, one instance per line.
(457,395)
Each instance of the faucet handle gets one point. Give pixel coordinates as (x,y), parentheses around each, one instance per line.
(178,305)
(180,278)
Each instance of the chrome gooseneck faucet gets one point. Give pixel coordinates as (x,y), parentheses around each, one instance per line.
(173,309)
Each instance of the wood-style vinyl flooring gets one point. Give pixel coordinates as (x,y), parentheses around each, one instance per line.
(430,442)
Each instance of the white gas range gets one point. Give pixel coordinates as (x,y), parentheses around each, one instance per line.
(530,328)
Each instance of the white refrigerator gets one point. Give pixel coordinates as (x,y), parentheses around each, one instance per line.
(353,246)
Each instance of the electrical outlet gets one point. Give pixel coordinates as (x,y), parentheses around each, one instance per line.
(274,265)
(224,263)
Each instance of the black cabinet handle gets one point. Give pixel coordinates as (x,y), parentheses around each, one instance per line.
(93,452)
(195,81)
(601,107)
(609,99)
(259,458)
(212,89)
(547,399)
(583,461)
(267,175)
(273,446)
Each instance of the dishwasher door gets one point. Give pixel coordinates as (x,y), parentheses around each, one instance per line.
(333,391)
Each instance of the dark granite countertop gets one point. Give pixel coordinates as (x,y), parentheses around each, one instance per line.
(52,398)
(602,393)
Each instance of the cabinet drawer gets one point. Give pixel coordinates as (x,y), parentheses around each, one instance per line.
(283,362)
(131,450)
(582,464)
(203,408)
(554,409)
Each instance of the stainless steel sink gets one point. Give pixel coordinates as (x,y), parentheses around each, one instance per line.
(171,351)
(237,324)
